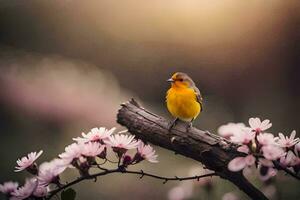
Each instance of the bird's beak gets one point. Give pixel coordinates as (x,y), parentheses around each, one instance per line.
(170,80)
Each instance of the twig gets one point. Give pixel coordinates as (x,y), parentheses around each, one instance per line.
(118,170)
(176,178)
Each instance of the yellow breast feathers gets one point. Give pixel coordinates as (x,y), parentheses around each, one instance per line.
(183,103)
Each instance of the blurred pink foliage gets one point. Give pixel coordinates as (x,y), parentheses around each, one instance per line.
(62,90)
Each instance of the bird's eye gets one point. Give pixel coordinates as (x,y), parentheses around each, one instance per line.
(180,79)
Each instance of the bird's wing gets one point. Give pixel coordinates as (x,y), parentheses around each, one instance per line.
(198,96)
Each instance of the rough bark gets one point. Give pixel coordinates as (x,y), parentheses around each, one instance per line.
(211,150)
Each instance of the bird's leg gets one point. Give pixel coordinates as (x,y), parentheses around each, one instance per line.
(173,123)
(189,125)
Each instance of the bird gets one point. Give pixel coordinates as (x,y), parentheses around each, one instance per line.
(183,99)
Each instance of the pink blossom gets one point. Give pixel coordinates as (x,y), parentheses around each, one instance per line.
(147,152)
(41,191)
(96,134)
(285,141)
(266,139)
(240,163)
(122,141)
(27,161)
(72,152)
(244,137)
(272,152)
(92,149)
(8,187)
(49,171)
(289,160)
(259,126)
(230,129)
(26,190)
(243,149)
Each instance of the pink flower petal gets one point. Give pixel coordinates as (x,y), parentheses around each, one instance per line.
(250,160)
(237,164)
(243,149)
(293,134)
(254,122)
(266,125)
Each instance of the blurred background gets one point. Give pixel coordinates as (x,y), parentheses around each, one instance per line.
(66,65)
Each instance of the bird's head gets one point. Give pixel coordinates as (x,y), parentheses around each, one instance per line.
(181,80)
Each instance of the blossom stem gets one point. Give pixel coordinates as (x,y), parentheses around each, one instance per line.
(141,173)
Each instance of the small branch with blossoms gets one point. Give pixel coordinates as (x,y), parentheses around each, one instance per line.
(239,146)
(262,149)
(91,151)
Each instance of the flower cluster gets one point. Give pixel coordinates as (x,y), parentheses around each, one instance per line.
(90,150)
(260,148)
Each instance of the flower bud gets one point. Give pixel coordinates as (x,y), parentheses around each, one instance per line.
(253,146)
(127,160)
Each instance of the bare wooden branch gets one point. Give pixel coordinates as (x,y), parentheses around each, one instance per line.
(123,171)
(211,150)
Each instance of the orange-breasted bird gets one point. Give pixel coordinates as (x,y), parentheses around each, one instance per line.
(184,100)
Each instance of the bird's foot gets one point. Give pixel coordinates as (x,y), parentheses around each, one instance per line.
(189,127)
(172,124)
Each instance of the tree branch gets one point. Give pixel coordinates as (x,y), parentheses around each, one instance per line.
(213,151)
(125,171)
